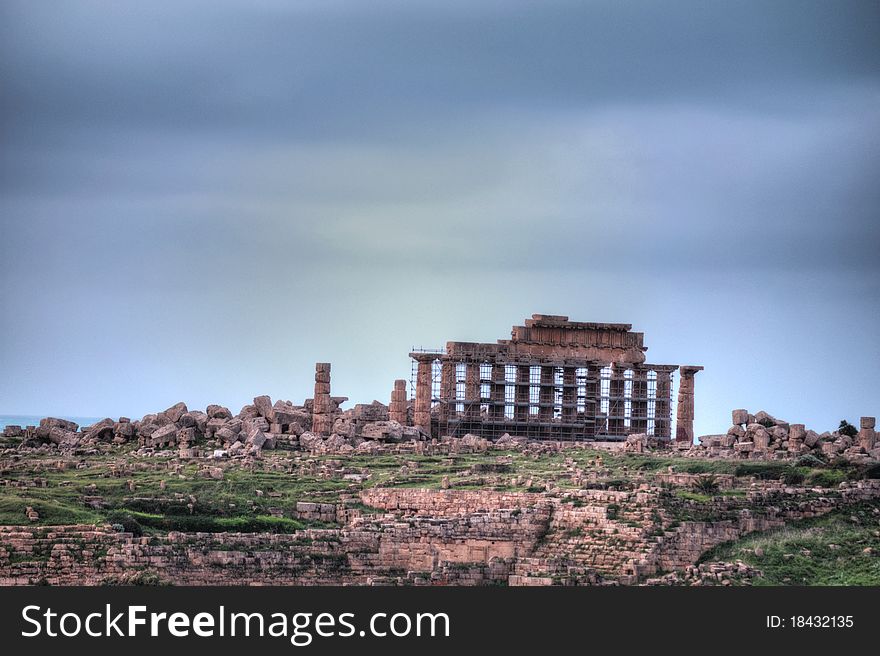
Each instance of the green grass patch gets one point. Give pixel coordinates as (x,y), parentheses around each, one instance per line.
(828,550)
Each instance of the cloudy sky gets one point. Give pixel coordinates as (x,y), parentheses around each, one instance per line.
(199,200)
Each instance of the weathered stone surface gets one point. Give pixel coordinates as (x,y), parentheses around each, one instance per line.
(218,412)
(174,412)
(779,433)
(61,436)
(256,438)
(382,430)
(55,422)
(765,419)
(248,425)
(226,435)
(125,430)
(286,413)
(740,417)
(166,435)
(263,404)
(867,438)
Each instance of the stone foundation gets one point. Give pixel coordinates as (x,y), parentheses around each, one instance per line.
(419,537)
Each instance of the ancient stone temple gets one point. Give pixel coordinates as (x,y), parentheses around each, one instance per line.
(553,379)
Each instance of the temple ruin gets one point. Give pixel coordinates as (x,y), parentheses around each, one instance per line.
(553,379)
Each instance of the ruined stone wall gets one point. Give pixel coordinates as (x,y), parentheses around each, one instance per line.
(86,555)
(445,503)
(417,537)
(462,540)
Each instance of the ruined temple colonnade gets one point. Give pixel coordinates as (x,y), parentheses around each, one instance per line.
(554,379)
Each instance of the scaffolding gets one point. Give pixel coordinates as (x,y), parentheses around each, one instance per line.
(540,398)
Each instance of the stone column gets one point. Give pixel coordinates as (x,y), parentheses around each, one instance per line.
(447,389)
(867,436)
(796,435)
(322,419)
(397,409)
(684,429)
(663,404)
(496,407)
(569,394)
(639,401)
(592,402)
(521,410)
(472,391)
(616,400)
(424,375)
(546,393)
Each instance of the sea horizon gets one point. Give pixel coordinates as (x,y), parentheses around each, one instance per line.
(34,420)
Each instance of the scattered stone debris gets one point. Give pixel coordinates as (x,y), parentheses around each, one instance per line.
(763,436)
(720,573)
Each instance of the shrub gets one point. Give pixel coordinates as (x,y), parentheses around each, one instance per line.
(128,523)
(809,460)
(847,428)
(792,477)
(707,484)
(762,470)
(873,471)
(827,478)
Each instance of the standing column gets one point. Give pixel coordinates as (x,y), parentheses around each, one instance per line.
(397,409)
(867,435)
(639,401)
(616,400)
(496,405)
(569,394)
(521,410)
(472,391)
(422,414)
(663,404)
(684,428)
(545,393)
(322,419)
(592,402)
(447,389)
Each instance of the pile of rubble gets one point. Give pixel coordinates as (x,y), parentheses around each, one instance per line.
(718,573)
(762,436)
(216,431)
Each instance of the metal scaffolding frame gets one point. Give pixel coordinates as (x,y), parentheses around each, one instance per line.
(540,398)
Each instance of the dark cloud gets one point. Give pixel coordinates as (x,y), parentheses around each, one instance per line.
(330,70)
(236,189)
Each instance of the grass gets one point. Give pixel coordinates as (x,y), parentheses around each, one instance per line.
(689,495)
(828,550)
(170,495)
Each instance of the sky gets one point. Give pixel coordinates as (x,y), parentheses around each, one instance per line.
(200,200)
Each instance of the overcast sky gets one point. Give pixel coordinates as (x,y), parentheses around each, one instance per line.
(199,200)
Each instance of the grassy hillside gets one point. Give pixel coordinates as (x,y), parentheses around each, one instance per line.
(841,548)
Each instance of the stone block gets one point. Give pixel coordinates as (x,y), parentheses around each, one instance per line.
(263,404)
(256,438)
(175,411)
